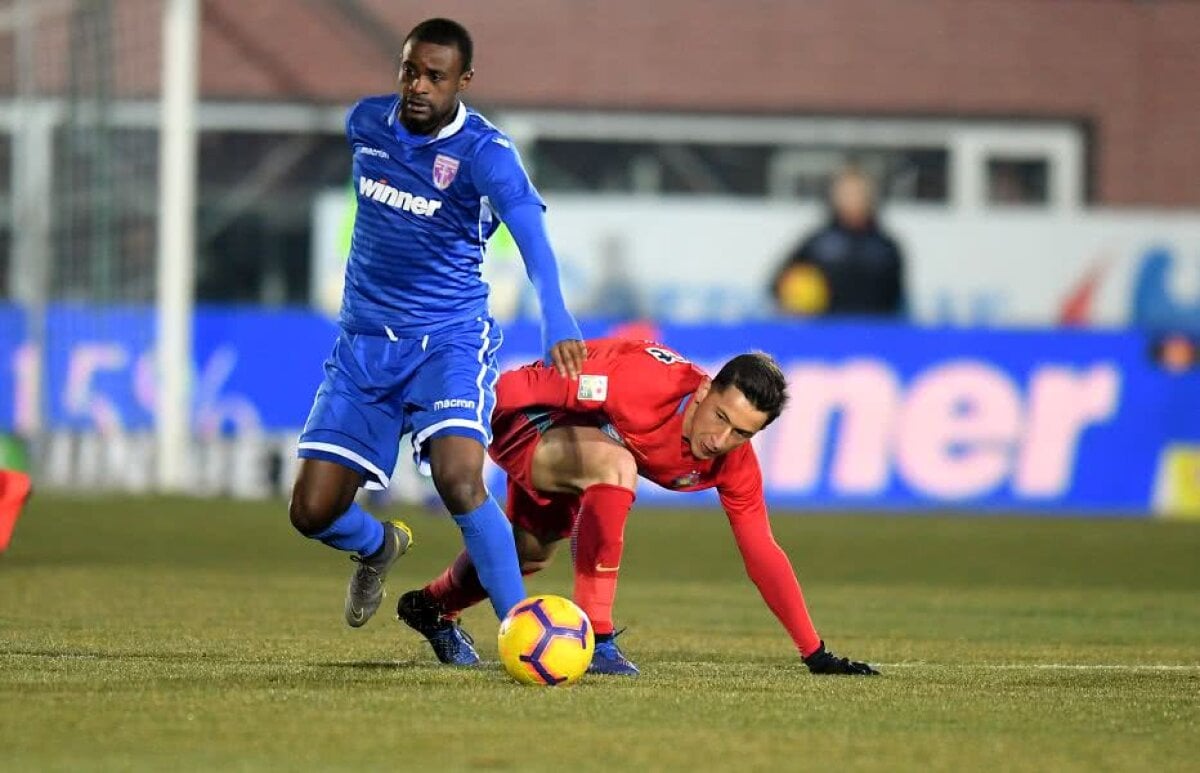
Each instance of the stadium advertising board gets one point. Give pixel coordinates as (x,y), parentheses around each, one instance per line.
(674,256)
(882,416)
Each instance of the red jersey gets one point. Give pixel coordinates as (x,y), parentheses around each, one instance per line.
(640,390)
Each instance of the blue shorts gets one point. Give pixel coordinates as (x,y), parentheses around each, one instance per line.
(378,388)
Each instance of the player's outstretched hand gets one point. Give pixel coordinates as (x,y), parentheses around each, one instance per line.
(825,662)
(568,357)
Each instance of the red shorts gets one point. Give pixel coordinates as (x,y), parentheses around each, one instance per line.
(515,436)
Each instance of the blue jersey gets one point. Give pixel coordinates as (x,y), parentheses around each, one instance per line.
(426,207)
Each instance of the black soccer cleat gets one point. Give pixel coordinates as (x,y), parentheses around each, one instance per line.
(825,662)
(451,644)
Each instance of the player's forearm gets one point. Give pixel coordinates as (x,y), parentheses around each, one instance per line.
(771,572)
(528,227)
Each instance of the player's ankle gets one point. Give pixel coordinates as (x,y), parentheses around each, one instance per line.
(377,553)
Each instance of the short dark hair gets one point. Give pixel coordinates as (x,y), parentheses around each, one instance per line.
(445,32)
(759,378)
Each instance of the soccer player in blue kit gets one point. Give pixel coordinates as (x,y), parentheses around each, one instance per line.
(416,350)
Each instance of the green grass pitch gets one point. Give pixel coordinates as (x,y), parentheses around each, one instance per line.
(174,634)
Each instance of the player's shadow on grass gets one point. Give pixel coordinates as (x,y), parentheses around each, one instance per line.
(166,657)
(373,665)
(213,657)
(381,665)
(430,668)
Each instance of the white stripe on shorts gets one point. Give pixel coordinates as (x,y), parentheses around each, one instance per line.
(381,481)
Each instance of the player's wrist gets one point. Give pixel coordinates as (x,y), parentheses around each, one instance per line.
(560,325)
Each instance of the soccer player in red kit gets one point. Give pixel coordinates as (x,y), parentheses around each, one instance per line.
(574,449)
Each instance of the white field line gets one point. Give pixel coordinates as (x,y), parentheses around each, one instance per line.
(906,664)
(1048,666)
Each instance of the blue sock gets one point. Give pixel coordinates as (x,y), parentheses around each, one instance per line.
(488,537)
(355,531)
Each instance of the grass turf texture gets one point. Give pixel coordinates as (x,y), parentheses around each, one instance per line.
(202,635)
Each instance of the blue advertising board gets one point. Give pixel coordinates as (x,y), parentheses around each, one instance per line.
(881,415)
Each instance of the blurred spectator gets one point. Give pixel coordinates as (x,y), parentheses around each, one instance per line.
(1175,352)
(849,266)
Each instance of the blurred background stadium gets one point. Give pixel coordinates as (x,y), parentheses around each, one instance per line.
(1036,164)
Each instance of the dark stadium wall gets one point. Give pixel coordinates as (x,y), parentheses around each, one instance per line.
(1128,69)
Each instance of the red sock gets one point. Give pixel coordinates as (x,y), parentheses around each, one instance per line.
(14,490)
(596,545)
(458,588)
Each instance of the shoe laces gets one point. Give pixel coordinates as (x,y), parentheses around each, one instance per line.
(453,635)
(365,573)
(367,563)
(454,625)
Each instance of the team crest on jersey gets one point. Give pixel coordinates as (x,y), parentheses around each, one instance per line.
(684,481)
(444,170)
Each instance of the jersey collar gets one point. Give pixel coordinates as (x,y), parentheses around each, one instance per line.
(449,130)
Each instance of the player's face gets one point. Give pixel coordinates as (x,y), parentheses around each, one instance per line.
(431,76)
(724,419)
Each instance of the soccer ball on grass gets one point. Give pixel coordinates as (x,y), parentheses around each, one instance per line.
(546,640)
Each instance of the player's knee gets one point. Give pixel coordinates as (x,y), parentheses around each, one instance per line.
(456,465)
(616,467)
(461,490)
(625,472)
(312,512)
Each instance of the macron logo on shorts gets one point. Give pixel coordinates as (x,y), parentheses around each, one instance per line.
(441,405)
(379,190)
